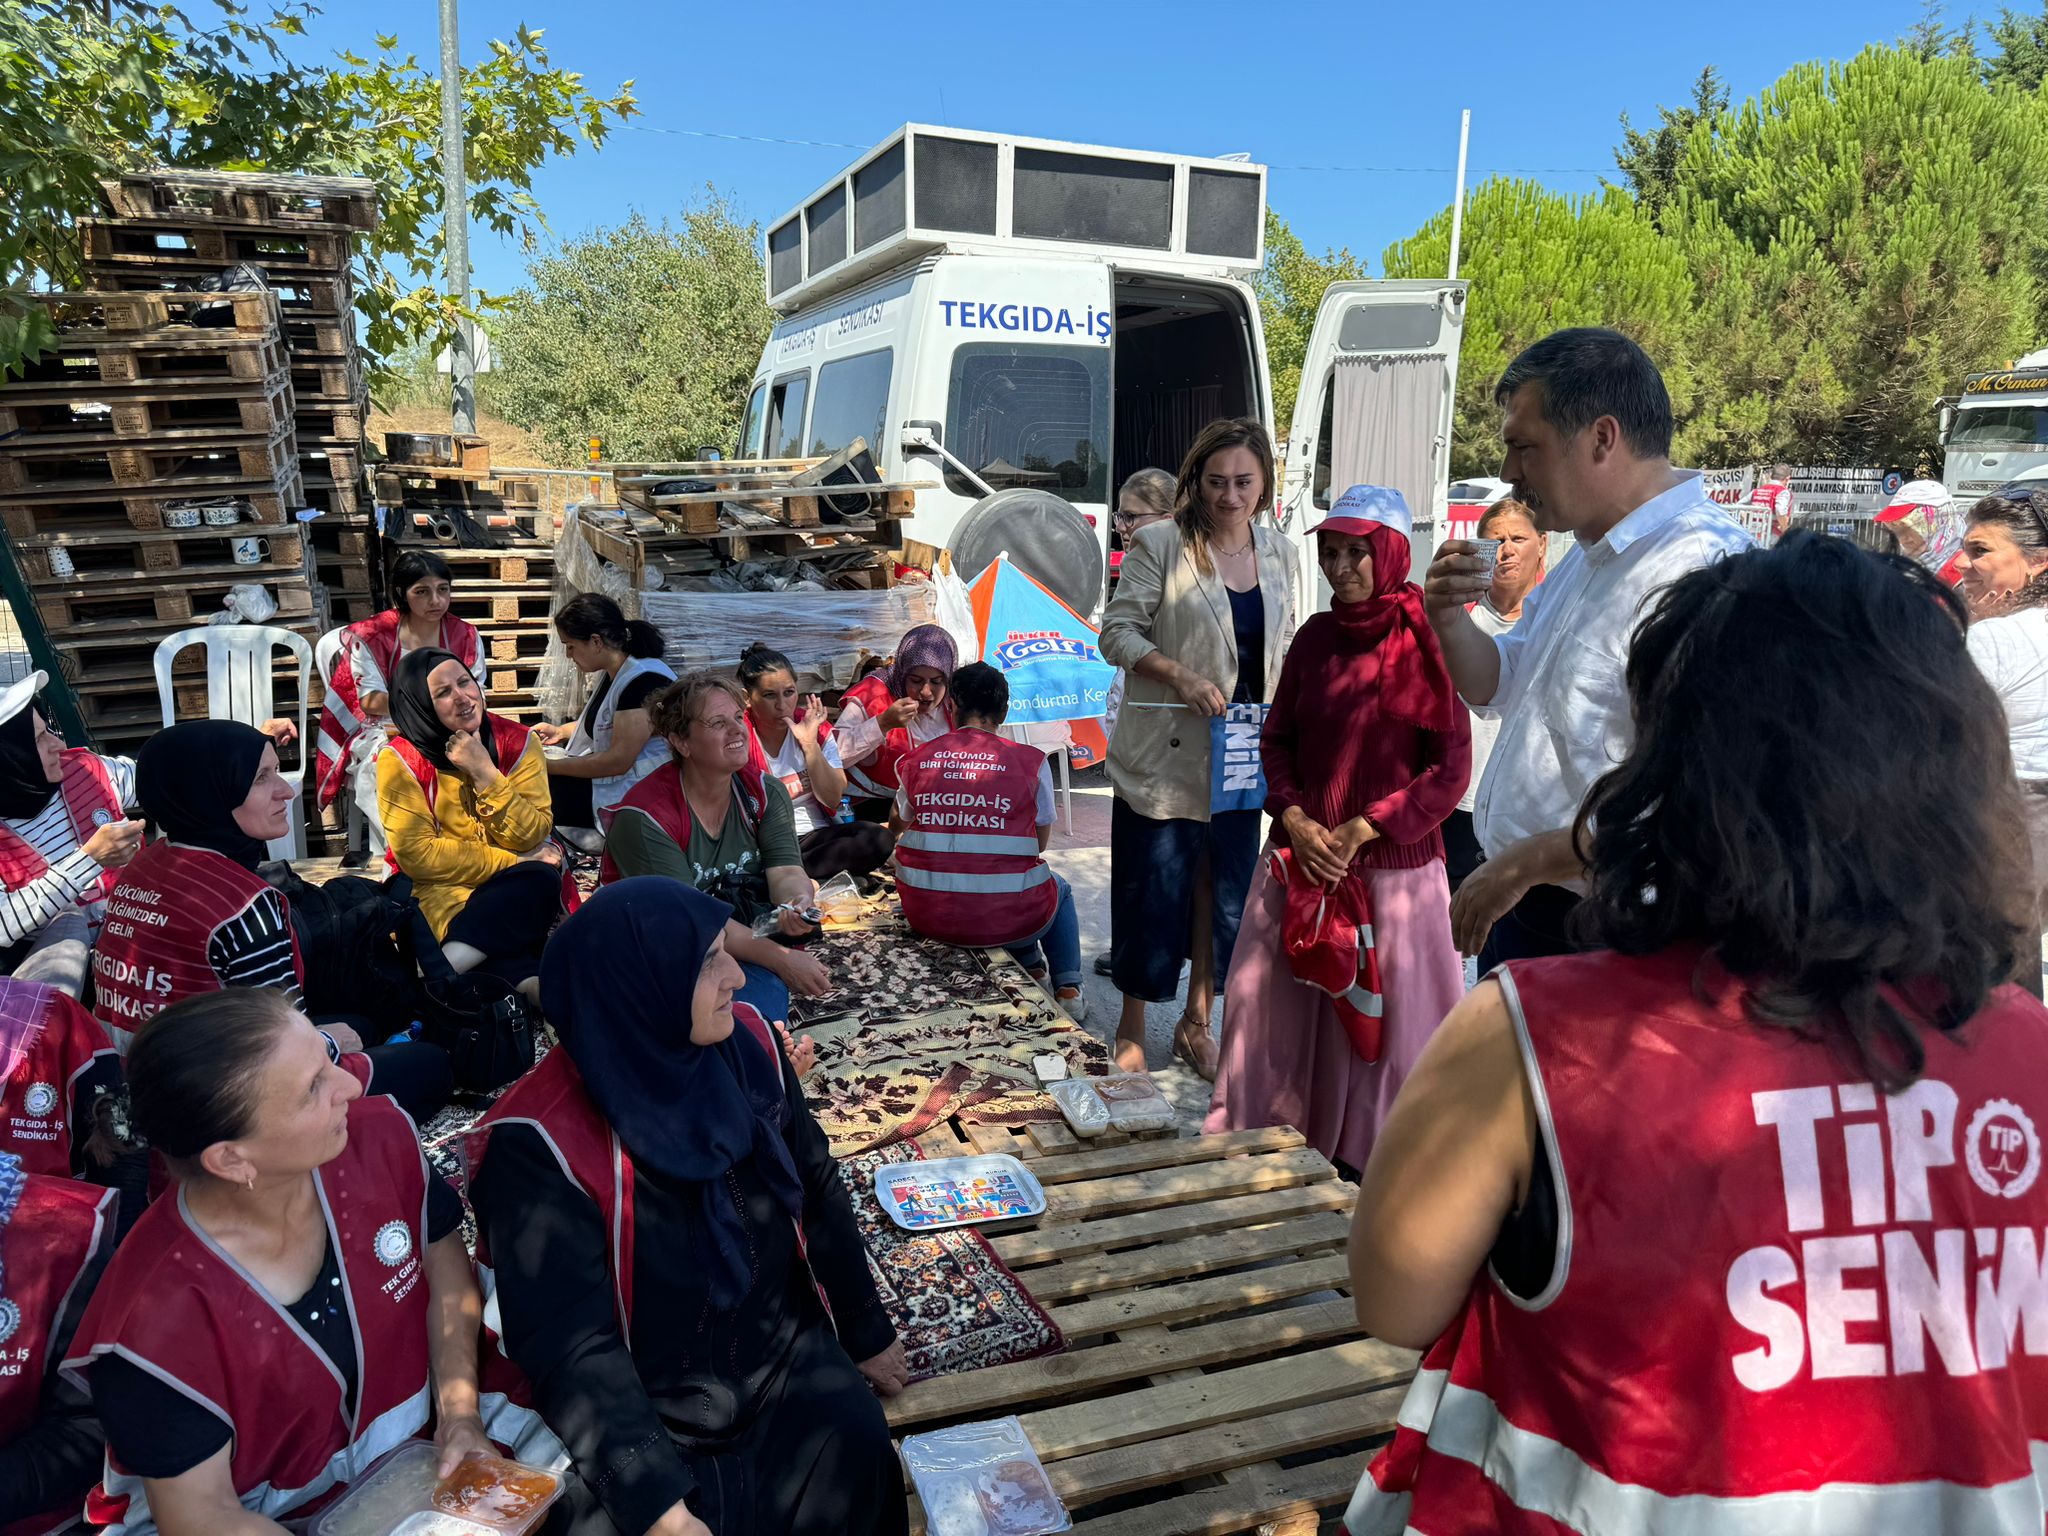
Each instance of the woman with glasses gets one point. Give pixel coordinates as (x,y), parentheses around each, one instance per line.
(714,818)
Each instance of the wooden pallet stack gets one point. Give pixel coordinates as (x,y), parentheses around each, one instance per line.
(169,229)
(507,592)
(148,463)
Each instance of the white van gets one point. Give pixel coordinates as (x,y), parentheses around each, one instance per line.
(993,312)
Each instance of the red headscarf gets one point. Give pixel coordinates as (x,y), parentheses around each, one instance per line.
(1415,685)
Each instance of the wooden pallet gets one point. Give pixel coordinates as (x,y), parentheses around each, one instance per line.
(419,525)
(319,381)
(170,359)
(109,508)
(327,296)
(516,644)
(126,652)
(343,575)
(518,678)
(164,242)
(502,604)
(338,425)
(338,503)
(339,202)
(350,540)
(744,486)
(351,607)
(337,463)
(153,599)
(521,564)
(162,412)
(124,552)
(1205,1388)
(39,466)
(430,455)
(121,310)
(327,338)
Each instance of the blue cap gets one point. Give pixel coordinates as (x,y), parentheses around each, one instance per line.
(1364,505)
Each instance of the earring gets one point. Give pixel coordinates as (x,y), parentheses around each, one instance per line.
(250,1184)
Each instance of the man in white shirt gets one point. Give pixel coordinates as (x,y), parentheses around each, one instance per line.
(1587,428)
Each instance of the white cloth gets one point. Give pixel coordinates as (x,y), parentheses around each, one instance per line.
(1484,729)
(787,764)
(2012,653)
(1562,701)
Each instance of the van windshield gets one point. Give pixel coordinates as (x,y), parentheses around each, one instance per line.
(2005,425)
(1035,416)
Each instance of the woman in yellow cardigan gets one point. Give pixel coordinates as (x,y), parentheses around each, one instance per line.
(464,800)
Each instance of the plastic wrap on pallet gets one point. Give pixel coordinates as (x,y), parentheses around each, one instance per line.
(822,632)
(559,687)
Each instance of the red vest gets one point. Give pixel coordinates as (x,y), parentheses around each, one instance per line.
(968,870)
(90,802)
(1782,1303)
(176,1304)
(660,798)
(162,917)
(54,1043)
(58,1229)
(552,1099)
(875,779)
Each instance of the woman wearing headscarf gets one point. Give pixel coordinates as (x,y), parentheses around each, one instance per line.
(191,915)
(355,720)
(63,837)
(888,713)
(465,801)
(1345,963)
(676,1266)
(56,1236)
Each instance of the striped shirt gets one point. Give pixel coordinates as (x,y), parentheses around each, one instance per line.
(255,950)
(72,871)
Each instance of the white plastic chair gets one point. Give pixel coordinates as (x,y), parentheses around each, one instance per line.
(240,686)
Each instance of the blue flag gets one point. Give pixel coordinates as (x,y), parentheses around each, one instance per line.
(1237,774)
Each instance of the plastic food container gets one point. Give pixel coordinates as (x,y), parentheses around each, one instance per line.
(1135,1102)
(1082,1105)
(400,1496)
(983,1480)
(957,1192)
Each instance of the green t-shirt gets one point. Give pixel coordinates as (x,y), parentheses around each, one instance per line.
(639,847)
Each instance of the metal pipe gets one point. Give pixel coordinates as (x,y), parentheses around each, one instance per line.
(1457,207)
(455,222)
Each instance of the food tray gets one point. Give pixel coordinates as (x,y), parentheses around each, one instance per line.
(400,1496)
(957,1191)
(1135,1102)
(983,1480)
(1086,1113)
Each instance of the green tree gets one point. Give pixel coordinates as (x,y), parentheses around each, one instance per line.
(1538,261)
(644,335)
(1860,235)
(1649,161)
(93,87)
(2021,59)
(1290,288)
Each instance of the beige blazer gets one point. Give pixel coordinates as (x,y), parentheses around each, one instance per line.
(1159,758)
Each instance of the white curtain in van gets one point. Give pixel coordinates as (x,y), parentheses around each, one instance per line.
(1384,424)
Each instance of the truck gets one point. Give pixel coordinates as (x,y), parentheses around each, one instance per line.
(1996,431)
(1019,322)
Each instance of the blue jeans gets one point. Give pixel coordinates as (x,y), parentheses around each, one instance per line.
(1060,939)
(768,992)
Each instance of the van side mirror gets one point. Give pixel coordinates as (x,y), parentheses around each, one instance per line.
(1948,418)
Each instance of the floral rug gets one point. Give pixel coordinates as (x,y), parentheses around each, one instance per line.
(956,1306)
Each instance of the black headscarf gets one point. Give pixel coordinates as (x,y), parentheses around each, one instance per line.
(412,709)
(24,790)
(190,778)
(616,981)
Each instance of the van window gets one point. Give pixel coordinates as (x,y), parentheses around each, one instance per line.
(853,401)
(1037,416)
(752,423)
(1326,435)
(786,417)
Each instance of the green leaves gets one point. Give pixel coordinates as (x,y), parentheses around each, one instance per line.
(88,90)
(1290,288)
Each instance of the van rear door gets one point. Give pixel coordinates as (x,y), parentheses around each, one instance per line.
(1374,408)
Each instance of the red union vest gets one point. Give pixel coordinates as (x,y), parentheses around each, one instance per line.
(340,714)
(876,778)
(553,1101)
(152,950)
(90,802)
(1783,1303)
(47,1043)
(660,798)
(968,870)
(59,1228)
(175,1303)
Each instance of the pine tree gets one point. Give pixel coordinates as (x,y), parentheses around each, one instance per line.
(1649,161)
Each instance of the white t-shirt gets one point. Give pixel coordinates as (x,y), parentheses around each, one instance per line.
(787,764)
(1484,729)
(2012,653)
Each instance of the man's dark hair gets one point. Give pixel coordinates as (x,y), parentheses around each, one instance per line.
(978,689)
(1821,794)
(1588,372)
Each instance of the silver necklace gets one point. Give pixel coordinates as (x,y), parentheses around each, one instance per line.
(1232,554)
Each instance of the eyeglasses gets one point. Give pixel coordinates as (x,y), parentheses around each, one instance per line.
(1124,522)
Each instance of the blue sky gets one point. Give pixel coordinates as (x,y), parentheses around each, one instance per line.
(1372,90)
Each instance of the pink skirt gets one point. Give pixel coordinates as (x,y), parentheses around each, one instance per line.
(1285,1058)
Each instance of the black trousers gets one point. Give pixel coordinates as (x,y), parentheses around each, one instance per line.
(1534,927)
(571,799)
(509,918)
(1462,853)
(846,847)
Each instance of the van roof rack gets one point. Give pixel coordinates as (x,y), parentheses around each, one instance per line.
(925,189)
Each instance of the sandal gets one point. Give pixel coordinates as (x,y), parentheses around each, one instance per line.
(1130,1055)
(1197,1051)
